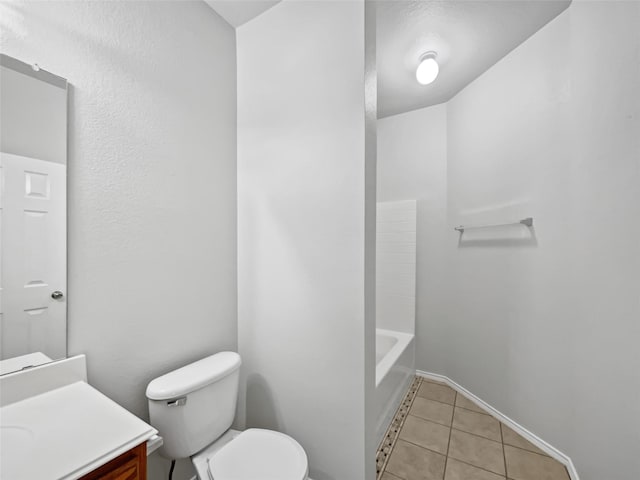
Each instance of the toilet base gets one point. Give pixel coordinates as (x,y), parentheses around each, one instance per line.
(201,459)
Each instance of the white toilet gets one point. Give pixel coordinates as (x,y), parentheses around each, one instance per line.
(193,408)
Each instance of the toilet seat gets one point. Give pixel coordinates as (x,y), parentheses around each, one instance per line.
(258,454)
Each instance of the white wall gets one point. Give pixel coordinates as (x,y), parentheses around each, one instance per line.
(152,181)
(301,219)
(546,328)
(550,133)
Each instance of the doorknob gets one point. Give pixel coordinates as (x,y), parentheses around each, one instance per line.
(57,295)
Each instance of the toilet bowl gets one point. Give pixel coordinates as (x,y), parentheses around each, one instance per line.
(252,454)
(193,408)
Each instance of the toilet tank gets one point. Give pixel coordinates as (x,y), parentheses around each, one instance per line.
(194,405)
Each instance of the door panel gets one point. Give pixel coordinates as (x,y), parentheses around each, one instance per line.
(33,240)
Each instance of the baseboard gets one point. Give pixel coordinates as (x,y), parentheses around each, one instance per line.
(537,441)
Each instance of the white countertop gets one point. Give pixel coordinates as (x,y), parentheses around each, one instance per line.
(65,433)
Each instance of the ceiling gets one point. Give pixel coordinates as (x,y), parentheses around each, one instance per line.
(237,12)
(468,36)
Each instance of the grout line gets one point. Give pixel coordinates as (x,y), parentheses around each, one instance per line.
(434,400)
(504,454)
(483,412)
(476,435)
(439,401)
(446,458)
(535,453)
(479,468)
(427,420)
(520,448)
(474,411)
(430,420)
(422,447)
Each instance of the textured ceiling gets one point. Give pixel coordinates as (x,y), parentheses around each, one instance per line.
(237,12)
(468,35)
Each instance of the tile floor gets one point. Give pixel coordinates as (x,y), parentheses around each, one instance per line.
(438,434)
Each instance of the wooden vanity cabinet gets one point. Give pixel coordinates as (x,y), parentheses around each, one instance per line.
(131,465)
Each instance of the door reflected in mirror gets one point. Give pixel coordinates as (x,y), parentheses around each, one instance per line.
(33,220)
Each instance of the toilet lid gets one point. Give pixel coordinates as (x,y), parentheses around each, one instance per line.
(258,454)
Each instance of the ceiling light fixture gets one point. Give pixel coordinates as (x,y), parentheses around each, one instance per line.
(428,68)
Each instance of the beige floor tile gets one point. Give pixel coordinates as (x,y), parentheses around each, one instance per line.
(477,423)
(477,451)
(461,471)
(388,476)
(431,410)
(411,462)
(430,380)
(464,402)
(435,391)
(512,438)
(524,465)
(426,434)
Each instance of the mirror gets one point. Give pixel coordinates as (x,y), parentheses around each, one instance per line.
(33,215)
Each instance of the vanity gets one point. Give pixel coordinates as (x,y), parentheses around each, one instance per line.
(54,425)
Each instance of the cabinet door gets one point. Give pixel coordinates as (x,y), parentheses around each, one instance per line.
(128,471)
(131,465)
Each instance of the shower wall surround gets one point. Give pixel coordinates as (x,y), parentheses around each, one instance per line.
(396,266)
(544,329)
(152,183)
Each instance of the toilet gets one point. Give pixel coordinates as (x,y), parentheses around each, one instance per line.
(193,408)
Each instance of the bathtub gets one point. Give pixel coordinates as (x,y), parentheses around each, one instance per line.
(395,368)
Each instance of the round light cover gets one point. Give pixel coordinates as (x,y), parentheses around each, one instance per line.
(428,69)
